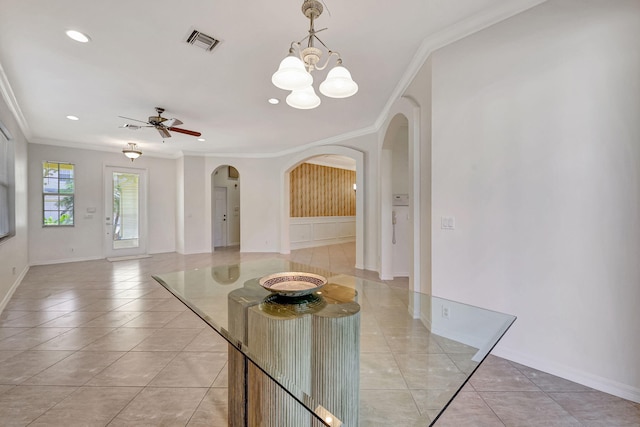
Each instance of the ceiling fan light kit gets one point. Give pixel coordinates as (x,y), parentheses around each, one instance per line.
(132,151)
(294,72)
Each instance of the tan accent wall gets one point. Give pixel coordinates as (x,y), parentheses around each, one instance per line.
(322,191)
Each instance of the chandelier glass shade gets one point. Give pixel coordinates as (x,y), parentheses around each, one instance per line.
(292,75)
(338,83)
(132,151)
(294,72)
(303,99)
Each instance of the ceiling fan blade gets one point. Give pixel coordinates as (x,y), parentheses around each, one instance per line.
(129,118)
(171,122)
(163,132)
(130,126)
(185,131)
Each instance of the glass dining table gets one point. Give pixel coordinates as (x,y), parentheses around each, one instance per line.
(354,352)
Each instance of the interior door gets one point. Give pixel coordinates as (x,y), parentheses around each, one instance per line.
(125,211)
(220,217)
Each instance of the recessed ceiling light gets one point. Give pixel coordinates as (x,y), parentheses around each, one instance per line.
(201,139)
(72,118)
(78,36)
(274,101)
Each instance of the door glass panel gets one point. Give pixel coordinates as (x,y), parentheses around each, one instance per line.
(126,215)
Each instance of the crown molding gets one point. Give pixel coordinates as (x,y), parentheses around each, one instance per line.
(103,148)
(12,103)
(450,35)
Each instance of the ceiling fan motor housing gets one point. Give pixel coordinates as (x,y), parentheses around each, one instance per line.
(157,120)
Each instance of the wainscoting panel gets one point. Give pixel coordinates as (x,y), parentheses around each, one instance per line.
(321,230)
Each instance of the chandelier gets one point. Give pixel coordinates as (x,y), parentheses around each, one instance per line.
(294,72)
(132,151)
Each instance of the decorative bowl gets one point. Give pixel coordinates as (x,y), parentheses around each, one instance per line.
(292,283)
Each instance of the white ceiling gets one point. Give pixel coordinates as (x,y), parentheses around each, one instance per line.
(138,59)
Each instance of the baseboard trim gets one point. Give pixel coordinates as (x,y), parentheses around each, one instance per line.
(13,288)
(320,242)
(127,258)
(63,261)
(596,382)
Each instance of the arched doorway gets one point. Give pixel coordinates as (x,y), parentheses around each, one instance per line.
(395,164)
(322,203)
(225,208)
(400,142)
(355,155)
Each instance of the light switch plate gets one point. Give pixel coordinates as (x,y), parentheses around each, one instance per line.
(448,222)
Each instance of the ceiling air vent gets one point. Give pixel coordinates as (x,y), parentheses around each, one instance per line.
(202,40)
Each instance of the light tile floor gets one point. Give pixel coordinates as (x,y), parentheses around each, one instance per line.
(98,343)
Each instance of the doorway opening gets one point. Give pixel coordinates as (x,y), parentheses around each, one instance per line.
(286,219)
(322,203)
(396,190)
(125,211)
(225,200)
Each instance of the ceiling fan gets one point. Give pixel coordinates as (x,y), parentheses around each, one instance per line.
(162,124)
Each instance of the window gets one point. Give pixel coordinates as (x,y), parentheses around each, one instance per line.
(58,190)
(7,221)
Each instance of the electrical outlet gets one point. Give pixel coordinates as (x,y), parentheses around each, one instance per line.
(445,312)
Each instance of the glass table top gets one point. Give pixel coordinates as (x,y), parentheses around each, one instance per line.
(352,337)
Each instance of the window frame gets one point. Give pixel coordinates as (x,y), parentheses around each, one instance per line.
(59,194)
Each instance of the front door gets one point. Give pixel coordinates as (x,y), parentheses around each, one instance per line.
(125,211)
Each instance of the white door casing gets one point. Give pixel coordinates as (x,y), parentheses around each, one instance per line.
(125,234)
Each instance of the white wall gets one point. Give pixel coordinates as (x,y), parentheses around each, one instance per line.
(194,181)
(400,161)
(536,153)
(180,190)
(14,251)
(85,239)
(420,92)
